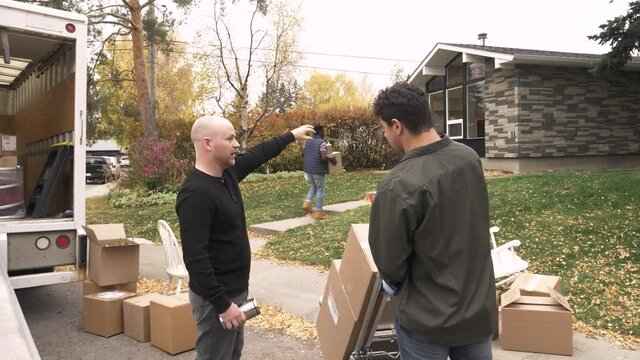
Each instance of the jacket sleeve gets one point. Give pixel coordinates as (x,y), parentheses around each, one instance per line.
(390,236)
(254,157)
(195,216)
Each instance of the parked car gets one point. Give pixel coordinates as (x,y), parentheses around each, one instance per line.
(97,169)
(114,167)
(124,161)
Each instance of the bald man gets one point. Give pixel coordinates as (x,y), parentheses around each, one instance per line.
(213,230)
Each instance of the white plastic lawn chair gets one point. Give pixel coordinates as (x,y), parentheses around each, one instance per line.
(173,254)
(507,265)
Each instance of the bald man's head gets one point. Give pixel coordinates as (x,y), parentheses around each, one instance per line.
(208,126)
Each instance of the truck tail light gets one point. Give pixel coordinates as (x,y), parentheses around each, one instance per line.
(70,28)
(63,241)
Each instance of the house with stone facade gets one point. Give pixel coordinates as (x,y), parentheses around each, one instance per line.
(531,110)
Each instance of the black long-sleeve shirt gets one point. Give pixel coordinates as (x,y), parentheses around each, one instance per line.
(213,226)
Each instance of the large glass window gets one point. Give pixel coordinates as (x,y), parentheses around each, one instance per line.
(455,72)
(457,99)
(475,110)
(436,83)
(454,112)
(436,104)
(475,71)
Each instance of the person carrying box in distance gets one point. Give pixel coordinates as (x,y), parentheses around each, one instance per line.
(429,235)
(213,230)
(316,168)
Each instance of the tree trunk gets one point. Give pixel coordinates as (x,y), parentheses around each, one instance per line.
(152,63)
(142,85)
(244,118)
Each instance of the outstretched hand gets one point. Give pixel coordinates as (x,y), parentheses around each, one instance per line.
(304,132)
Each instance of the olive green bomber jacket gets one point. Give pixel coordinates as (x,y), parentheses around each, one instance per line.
(429,235)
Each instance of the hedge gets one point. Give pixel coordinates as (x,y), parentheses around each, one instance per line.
(355,133)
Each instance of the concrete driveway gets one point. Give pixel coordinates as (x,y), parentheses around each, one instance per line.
(92,190)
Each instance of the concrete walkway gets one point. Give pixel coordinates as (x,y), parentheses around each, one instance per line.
(294,289)
(280,226)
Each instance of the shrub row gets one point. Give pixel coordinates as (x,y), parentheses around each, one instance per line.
(355,133)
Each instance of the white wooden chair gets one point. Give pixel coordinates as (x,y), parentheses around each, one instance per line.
(507,265)
(173,254)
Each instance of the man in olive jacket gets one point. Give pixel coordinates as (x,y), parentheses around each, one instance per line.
(429,235)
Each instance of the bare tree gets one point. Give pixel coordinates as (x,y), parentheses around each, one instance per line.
(265,57)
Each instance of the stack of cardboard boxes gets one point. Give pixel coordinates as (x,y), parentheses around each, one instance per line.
(347,297)
(111,306)
(536,317)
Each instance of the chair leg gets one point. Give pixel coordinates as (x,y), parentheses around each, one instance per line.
(179,286)
(167,287)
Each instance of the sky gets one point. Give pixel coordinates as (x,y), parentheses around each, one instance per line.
(373,36)
(409,29)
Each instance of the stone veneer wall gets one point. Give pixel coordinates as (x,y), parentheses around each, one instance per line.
(544,111)
(501,115)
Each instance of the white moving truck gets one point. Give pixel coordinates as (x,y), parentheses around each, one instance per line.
(43,80)
(43,77)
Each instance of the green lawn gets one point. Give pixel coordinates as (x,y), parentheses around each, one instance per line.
(266,198)
(581,226)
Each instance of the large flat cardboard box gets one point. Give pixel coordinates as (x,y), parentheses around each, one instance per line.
(8,145)
(337,168)
(337,326)
(113,259)
(172,326)
(536,323)
(358,271)
(102,312)
(8,161)
(536,285)
(136,316)
(89,287)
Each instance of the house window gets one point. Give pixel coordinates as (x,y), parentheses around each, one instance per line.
(457,99)
(454,112)
(437,83)
(455,72)
(475,71)
(436,104)
(475,110)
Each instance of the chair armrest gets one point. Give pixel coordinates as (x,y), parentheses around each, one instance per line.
(510,245)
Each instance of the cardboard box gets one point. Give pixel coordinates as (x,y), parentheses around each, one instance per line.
(136,316)
(172,326)
(536,285)
(337,325)
(113,259)
(337,168)
(358,271)
(8,145)
(102,312)
(89,287)
(8,161)
(536,323)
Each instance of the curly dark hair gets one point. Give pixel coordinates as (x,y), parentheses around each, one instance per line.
(406,103)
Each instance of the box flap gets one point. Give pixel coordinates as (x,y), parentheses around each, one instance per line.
(509,296)
(108,235)
(560,299)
